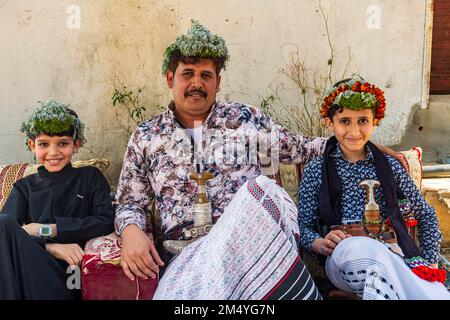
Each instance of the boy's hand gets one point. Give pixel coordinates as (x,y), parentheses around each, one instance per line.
(69,252)
(32,229)
(139,255)
(326,245)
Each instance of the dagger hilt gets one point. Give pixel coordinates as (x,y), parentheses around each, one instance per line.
(370,186)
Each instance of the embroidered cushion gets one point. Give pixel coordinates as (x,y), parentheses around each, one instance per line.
(102,276)
(414,159)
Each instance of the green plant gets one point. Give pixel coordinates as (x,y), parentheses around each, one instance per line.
(311,85)
(130,101)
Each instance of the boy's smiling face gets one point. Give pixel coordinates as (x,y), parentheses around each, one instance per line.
(54,152)
(352,130)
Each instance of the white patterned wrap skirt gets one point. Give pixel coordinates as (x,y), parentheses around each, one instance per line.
(250,253)
(368,268)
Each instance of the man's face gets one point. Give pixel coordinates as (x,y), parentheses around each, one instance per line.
(194,87)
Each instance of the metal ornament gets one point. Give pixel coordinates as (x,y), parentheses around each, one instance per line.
(202,213)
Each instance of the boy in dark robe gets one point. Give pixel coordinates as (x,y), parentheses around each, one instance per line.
(50,215)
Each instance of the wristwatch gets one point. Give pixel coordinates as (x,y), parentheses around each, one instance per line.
(45,231)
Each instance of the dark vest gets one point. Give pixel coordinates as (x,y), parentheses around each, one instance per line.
(330,196)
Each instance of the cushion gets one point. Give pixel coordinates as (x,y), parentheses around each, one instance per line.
(10,173)
(102,276)
(414,159)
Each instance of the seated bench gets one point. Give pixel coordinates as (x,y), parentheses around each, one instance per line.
(102,275)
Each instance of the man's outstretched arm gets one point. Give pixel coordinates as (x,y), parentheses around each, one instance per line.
(134,194)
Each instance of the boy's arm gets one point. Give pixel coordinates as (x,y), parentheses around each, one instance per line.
(430,236)
(100,219)
(17,207)
(309,203)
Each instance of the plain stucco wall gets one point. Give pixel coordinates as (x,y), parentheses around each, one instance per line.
(42,58)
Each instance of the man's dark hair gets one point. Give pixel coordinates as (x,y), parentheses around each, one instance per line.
(178,57)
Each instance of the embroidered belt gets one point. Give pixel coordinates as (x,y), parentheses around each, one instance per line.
(387,234)
(188,232)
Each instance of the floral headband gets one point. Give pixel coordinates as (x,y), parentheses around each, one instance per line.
(53,118)
(355,94)
(197,42)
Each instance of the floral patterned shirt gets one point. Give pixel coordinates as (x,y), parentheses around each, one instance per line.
(160,157)
(354,199)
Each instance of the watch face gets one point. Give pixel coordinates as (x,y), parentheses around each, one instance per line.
(45,231)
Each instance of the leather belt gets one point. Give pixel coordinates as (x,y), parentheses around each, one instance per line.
(187,232)
(177,234)
(388,235)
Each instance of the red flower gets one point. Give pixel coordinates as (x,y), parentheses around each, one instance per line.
(388,222)
(430,274)
(356,86)
(411,222)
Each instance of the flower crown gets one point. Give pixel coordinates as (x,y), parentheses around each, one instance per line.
(53,118)
(197,42)
(355,94)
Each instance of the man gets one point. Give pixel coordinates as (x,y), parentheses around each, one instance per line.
(238,259)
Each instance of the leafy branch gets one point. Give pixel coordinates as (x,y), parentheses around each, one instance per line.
(130,101)
(303,116)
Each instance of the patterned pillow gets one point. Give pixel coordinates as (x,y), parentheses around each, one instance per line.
(10,173)
(414,158)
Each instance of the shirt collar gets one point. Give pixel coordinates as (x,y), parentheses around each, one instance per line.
(171,111)
(63,173)
(339,155)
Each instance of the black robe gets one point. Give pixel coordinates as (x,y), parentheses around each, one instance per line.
(77,200)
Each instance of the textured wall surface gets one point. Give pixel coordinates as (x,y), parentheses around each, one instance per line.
(45,55)
(430,129)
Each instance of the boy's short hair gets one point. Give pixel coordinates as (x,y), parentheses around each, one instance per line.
(53,119)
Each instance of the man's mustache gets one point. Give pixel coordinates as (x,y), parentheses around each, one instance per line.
(194,92)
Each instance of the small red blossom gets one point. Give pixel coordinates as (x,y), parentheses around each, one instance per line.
(380,108)
(430,274)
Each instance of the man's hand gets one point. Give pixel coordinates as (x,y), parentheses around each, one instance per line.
(69,252)
(139,255)
(397,155)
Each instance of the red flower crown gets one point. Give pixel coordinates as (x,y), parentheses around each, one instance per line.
(358,85)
